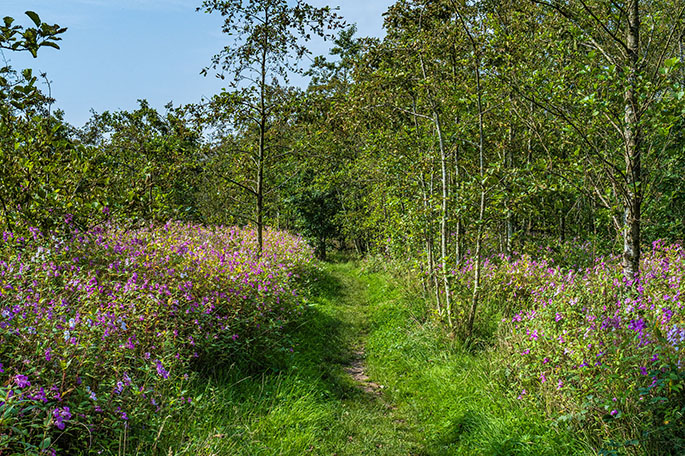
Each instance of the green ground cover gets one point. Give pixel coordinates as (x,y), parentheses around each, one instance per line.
(436,397)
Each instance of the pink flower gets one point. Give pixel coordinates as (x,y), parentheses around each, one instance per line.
(22,381)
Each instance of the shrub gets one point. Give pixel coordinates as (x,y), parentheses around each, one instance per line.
(598,350)
(100,332)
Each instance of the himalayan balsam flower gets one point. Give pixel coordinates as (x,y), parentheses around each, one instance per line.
(60,415)
(22,381)
(161,371)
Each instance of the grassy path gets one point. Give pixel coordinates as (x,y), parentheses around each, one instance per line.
(367,377)
(308,403)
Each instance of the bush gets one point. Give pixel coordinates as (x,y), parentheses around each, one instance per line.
(600,351)
(99,333)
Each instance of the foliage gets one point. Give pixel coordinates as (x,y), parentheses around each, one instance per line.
(316,210)
(502,152)
(599,355)
(454,397)
(29,39)
(150,163)
(270,39)
(47,176)
(101,331)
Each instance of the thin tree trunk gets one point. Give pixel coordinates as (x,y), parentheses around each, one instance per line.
(444,255)
(260,188)
(262,147)
(633,198)
(475,297)
(430,257)
(428,227)
(8,222)
(509,162)
(458,254)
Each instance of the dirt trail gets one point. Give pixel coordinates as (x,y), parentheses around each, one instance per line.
(357,370)
(371,422)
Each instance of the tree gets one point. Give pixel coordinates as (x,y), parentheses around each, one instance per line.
(619,121)
(47,176)
(316,209)
(270,37)
(150,162)
(30,39)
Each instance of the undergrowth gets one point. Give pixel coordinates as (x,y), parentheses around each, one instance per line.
(438,398)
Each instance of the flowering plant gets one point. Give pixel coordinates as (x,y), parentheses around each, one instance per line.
(100,331)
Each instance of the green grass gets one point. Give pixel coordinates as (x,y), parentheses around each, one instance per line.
(456,404)
(304,404)
(438,399)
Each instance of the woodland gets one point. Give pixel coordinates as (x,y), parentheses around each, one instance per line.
(462,238)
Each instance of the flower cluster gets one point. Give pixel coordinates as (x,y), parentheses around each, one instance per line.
(102,329)
(589,341)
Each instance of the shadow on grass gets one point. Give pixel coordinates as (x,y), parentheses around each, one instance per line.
(341,257)
(325,286)
(308,347)
(295,398)
(469,422)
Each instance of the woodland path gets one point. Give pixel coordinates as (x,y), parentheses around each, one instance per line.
(349,299)
(320,399)
(369,375)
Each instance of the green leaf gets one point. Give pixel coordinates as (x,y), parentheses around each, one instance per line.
(670,63)
(34,17)
(45,444)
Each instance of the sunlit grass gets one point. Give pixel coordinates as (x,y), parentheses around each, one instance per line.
(438,398)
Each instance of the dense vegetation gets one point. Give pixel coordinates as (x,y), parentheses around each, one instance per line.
(101,330)
(518,164)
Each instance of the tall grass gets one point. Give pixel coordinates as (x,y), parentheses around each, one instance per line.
(455,396)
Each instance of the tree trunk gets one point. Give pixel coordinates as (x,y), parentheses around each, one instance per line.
(633,194)
(260,190)
(458,254)
(475,297)
(458,250)
(321,249)
(509,163)
(444,255)
(430,257)
(262,148)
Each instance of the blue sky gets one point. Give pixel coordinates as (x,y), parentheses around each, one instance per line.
(118,51)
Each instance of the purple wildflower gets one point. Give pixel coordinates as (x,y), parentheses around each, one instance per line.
(22,381)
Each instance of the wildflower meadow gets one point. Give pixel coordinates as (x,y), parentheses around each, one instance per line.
(597,350)
(101,332)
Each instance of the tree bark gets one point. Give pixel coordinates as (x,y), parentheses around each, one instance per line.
(634,189)
(430,256)
(444,255)
(261,153)
(509,163)
(475,297)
